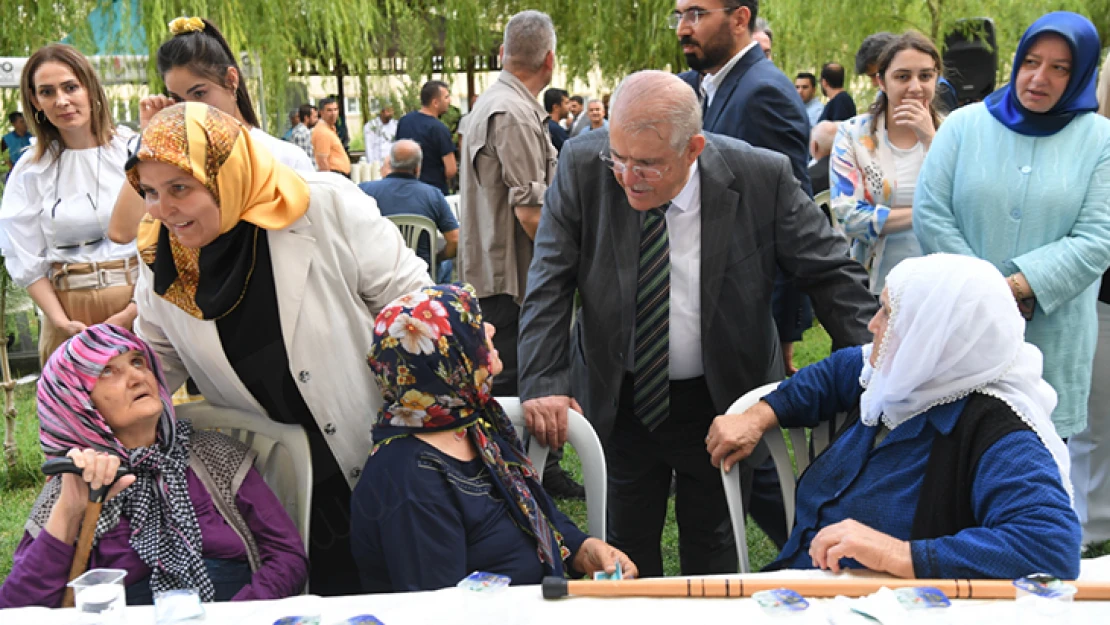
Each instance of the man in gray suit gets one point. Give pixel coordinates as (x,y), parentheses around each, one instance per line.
(671,237)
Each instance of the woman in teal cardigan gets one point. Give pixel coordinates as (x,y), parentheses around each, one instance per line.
(1023,181)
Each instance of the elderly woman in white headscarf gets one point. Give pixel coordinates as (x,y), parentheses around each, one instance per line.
(948,465)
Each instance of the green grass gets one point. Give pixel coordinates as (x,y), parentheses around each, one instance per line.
(20,484)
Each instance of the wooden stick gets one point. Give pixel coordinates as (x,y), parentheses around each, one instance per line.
(554,587)
(84,546)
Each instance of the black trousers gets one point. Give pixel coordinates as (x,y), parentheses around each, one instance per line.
(502,312)
(640,464)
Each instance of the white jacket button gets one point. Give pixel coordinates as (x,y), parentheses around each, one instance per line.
(303,376)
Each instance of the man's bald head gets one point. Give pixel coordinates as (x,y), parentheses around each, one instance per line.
(657,101)
(405,157)
(821,139)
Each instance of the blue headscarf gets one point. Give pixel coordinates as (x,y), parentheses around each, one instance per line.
(1080,95)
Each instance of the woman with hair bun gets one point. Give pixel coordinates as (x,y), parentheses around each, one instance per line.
(197,65)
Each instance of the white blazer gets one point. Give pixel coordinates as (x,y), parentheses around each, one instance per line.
(334,270)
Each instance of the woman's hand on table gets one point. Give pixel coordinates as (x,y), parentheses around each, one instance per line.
(733,437)
(871,548)
(597,555)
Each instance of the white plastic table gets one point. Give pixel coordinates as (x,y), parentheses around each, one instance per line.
(523,605)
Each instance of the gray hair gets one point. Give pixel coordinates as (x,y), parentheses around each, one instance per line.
(529,36)
(650,99)
(822,137)
(405,156)
(762,25)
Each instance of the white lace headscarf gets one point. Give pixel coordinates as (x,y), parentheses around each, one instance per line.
(954,329)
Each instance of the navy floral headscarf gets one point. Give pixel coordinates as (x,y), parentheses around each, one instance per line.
(430,359)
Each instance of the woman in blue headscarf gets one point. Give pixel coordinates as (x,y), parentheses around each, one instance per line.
(448,489)
(1023,180)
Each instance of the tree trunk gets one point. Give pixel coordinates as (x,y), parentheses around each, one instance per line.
(11,452)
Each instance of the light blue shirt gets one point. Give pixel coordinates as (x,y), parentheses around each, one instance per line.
(814,109)
(1038,205)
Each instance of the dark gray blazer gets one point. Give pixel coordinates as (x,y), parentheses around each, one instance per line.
(754,216)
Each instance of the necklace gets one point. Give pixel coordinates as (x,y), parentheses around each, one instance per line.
(95,205)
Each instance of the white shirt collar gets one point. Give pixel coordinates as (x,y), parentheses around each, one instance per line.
(691,193)
(711,82)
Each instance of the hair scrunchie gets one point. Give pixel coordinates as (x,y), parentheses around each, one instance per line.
(182,25)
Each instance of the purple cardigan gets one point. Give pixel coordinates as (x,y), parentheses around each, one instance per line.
(41,566)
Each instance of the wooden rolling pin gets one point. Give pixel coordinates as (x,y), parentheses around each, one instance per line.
(556,587)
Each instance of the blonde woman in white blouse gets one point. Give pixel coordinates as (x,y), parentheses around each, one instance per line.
(59,200)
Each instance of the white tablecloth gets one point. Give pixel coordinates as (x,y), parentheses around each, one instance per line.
(523,605)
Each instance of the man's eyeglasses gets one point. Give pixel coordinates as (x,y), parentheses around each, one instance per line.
(692,16)
(650,174)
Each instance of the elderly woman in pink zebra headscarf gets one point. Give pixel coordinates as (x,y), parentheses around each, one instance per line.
(192,513)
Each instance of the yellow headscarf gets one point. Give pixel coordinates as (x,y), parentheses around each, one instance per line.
(246,181)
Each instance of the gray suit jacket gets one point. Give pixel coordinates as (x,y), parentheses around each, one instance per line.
(754,216)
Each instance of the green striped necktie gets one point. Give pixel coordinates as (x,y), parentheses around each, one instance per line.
(651,370)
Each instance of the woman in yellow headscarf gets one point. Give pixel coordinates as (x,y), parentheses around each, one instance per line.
(262,285)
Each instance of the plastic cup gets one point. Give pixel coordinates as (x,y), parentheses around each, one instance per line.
(1041,599)
(101,592)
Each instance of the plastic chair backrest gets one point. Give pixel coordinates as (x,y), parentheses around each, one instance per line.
(581,436)
(411,227)
(284,458)
(454,201)
(823,200)
(805,450)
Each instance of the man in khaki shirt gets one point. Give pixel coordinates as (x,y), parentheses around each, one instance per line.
(330,155)
(507,163)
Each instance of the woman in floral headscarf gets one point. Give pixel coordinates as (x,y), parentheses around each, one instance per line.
(192,513)
(448,489)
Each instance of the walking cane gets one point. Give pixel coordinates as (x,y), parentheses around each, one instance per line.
(556,587)
(58,466)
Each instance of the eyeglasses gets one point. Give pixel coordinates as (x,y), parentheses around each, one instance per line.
(650,174)
(692,16)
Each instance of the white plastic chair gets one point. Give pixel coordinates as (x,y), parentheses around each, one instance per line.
(804,453)
(411,227)
(453,201)
(824,199)
(284,458)
(581,435)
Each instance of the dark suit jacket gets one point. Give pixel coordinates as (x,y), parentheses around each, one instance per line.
(754,216)
(758,104)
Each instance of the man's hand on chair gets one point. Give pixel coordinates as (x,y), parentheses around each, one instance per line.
(732,437)
(546,418)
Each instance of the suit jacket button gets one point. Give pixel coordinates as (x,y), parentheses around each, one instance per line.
(329,429)
(303,376)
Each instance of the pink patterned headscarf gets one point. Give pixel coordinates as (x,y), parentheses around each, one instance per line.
(164,528)
(67,416)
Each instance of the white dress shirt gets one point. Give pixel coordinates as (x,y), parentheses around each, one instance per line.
(684,238)
(711,82)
